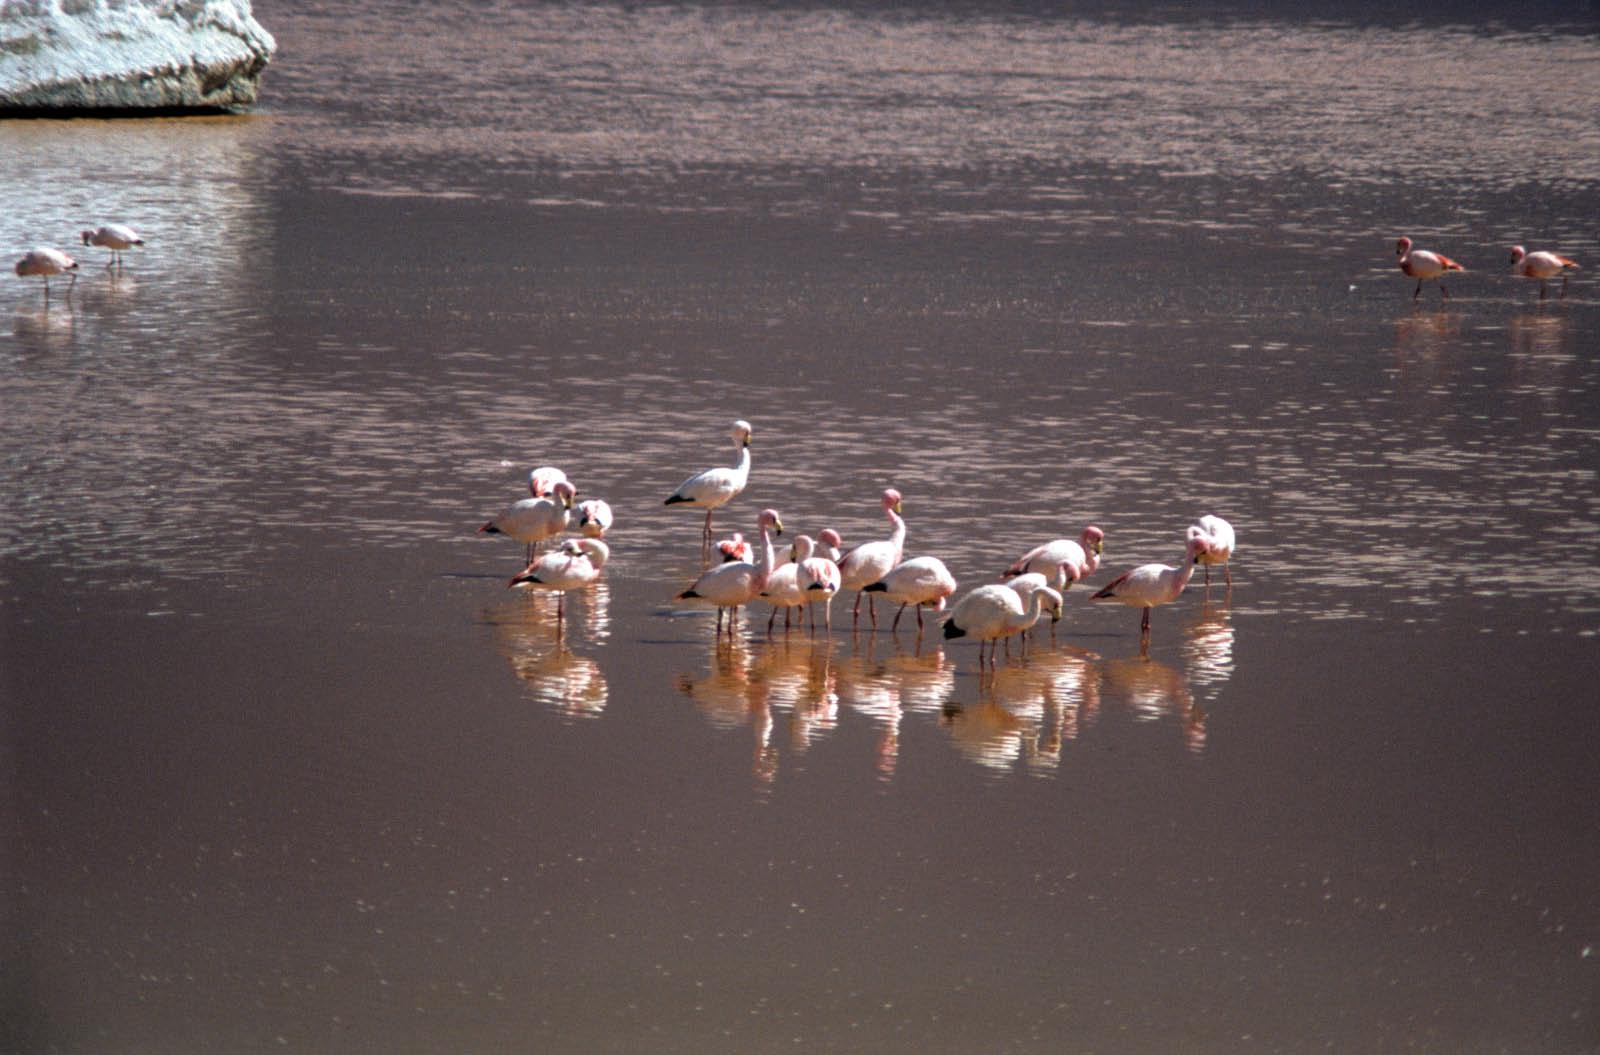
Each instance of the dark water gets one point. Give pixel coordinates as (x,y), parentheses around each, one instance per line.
(287,767)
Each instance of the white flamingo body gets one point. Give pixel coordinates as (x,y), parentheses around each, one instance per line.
(45,262)
(920,581)
(533,520)
(819,579)
(712,489)
(1542,265)
(1150,585)
(993,611)
(115,237)
(784,591)
(1063,561)
(738,582)
(575,565)
(594,517)
(871,561)
(1422,264)
(1219,542)
(543,480)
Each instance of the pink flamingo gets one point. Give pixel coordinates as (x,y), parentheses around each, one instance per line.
(919,581)
(993,611)
(738,582)
(871,561)
(819,579)
(1541,265)
(533,520)
(1421,264)
(783,589)
(543,480)
(115,237)
(1063,561)
(734,547)
(1218,535)
(45,262)
(594,517)
(714,488)
(575,565)
(1151,584)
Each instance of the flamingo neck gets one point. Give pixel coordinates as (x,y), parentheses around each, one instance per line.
(897,537)
(742,466)
(763,557)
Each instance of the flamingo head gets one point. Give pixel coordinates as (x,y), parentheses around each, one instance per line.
(1198,543)
(741,433)
(891,500)
(1402,247)
(769,521)
(594,517)
(564,493)
(1052,603)
(1517,253)
(543,479)
(1094,539)
(830,537)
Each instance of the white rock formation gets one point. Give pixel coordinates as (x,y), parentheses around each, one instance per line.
(129,54)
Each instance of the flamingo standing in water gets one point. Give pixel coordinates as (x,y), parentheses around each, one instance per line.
(738,582)
(919,581)
(1026,586)
(1219,545)
(714,488)
(993,611)
(1151,584)
(594,517)
(1543,266)
(871,561)
(45,262)
(819,579)
(115,237)
(1422,264)
(575,565)
(533,520)
(783,585)
(1062,561)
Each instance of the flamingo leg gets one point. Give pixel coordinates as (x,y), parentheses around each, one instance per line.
(773,618)
(1144,624)
(896,624)
(1227,571)
(1443,290)
(1418,292)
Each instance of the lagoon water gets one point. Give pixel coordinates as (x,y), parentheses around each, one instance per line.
(287,767)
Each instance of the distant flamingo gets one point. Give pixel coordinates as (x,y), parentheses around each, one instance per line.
(45,262)
(919,581)
(1542,266)
(115,237)
(1151,584)
(738,582)
(1219,545)
(594,517)
(734,547)
(575,565)
(819,578)
(993,611)
(871,561)
(1421,265)
(543,480)
(533,520)
(714,488)
(1063,561)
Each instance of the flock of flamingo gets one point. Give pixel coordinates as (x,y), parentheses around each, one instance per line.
(815,570)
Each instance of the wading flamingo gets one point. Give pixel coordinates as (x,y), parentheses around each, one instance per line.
(919,581)
(575,565)
(1219,545)
(993,611)
(1151,584)
(594,517)
(533,520)
(783,589)
(115,237)
(1063,561)
(1421,265)
(738,582)
(1542,266)
(45,262)
(543,480)
(1026,586)
(871,561)
(714,488)
(819,579)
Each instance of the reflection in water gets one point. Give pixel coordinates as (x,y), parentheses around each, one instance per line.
(1155,691)
(797,675)
(45,327)
(571,684)
(1071,697)
(726,696)
(1207,647)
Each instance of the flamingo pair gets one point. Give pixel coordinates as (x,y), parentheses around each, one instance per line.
(1423,264)
(738,582)
(808,577)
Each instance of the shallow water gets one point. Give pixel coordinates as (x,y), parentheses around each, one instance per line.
(288,766)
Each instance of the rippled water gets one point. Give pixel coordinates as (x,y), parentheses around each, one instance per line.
(287,765)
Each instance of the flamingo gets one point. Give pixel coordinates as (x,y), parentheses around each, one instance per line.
(45,262)
(738,582)
(994,611)
(533,520)
(714,488)
(819,578)
(871,561)
(594,517)
(1421,264)
(1542,266)
(1063,561)
(543,480)
(918,581)
(115,237)
(828,543)
(734,547)
(1151,584)
(1026,586)
(1219,545)
(783,585)
(575,565)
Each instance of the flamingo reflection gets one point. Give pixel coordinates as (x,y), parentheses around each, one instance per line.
(1155,691)
(727,698)
(798,676)
(1207,648)
(869,687)
(555,676)
(1071,696)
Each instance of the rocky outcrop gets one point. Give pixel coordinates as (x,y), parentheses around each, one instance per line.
(65,55)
